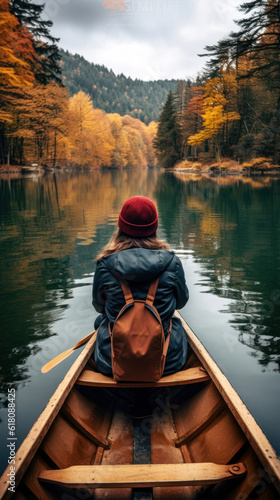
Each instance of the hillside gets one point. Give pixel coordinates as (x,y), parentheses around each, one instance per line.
(115,93)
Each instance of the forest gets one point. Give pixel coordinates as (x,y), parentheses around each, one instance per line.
(57,109)
(114,93)
(235,112)
(39,121)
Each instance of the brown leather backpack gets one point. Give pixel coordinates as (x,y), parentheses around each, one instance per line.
(138,344)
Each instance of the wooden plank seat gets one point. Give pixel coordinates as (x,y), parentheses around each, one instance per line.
(141,476)
(184,377)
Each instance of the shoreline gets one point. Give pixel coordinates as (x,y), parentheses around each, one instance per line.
(223,172)
(254,168)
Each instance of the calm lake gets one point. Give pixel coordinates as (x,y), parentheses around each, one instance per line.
(226,230)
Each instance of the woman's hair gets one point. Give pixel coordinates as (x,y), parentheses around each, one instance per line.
(121,241)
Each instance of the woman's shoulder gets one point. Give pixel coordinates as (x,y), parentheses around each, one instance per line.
(175,261)
(136,251)
(139,262)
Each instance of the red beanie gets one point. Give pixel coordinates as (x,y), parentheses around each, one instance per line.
(138,217)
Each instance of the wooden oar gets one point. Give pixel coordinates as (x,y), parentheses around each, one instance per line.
(55,361)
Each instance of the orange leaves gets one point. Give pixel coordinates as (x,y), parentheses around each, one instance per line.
(195,104)
(140,136)
(134,139)
(219,107)
(89,133)
(98,139)
(41,123)
(81,109)
(57,130)
(122,145)
(15,55)
(191,116)
(22,43)
(14,42)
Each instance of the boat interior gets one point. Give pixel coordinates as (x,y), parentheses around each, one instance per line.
(173,440)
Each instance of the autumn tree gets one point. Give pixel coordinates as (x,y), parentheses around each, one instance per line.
(168,140)
(219,111)
(138,129)
(89,133)
(119,156)
(151,132)
(191,117)
(137,153)
(258,39)
(254,50)
(15,71)
(16,57)
(40,115)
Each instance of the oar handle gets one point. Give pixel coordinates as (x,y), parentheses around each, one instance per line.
(83,341)
(55,361)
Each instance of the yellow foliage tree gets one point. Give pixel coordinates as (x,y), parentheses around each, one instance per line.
(140,136)
(151,132)
(219,104)
(137,156)
(122,145)
(40,116)
(89,133)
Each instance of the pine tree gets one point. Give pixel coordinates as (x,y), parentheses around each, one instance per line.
(258,39)
(46,67)
(168,140)
(122,95)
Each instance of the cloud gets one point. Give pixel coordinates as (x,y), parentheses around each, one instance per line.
(147,39)
(80,14)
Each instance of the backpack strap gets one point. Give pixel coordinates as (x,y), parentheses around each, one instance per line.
(127,293)
(166,345)
(150,295)
(152,292)
(128,300)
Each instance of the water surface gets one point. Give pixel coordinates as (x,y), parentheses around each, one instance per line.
(226,231)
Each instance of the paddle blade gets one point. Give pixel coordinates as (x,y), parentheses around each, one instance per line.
(55,361)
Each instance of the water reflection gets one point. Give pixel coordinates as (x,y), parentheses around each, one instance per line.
(51,230)
(233,226)
(52,227)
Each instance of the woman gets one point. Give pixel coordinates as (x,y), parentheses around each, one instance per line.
(136,255)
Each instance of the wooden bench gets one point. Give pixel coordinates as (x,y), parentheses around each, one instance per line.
(142,476)
(184,377)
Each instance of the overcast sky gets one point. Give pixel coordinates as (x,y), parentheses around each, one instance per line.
(146,39)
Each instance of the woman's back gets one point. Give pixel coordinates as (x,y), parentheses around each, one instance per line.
(136,256)
(138,267)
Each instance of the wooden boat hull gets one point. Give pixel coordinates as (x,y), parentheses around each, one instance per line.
(98,439)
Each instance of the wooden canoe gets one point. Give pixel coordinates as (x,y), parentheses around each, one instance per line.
(188,436)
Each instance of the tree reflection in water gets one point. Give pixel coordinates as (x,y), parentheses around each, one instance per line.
(232,225)
(53,226)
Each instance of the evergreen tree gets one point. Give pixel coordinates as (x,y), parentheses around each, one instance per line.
(122,95)
(168,140)
(255,52)
(258,40)
(46,66)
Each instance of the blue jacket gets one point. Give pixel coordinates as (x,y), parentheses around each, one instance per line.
(139,266)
